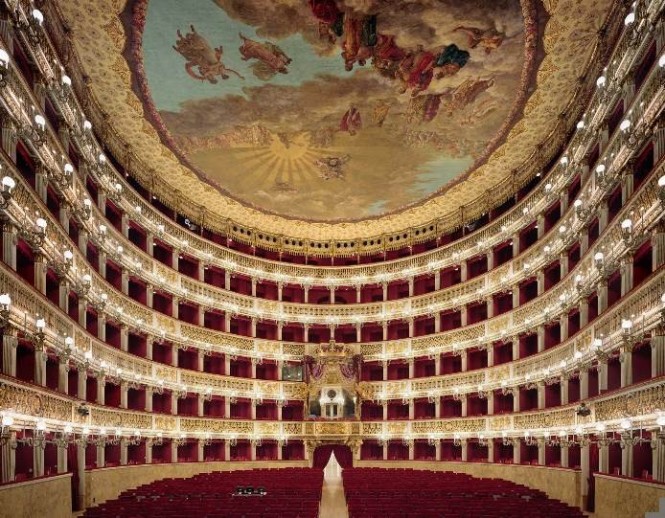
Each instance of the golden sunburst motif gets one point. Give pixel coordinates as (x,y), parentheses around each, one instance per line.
(364,115)
(96,52)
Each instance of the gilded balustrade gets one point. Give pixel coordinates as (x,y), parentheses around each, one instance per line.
(393,307)
(338,314)
(645,302)
(166,277)
(29,403)
(456,338)
(26,301)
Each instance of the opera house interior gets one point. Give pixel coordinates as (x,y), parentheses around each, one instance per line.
(201,316)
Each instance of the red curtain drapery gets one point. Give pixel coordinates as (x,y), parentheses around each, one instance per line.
(343,455)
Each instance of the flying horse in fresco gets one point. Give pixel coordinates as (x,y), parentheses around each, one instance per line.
(201,56)
(270,58)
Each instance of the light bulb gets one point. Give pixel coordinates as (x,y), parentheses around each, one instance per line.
(4,58)
(40,121)
(38,16)
(8,183)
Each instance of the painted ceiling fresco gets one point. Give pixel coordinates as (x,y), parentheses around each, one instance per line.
(333,109)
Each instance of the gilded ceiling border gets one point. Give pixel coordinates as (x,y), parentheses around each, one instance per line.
(560,70)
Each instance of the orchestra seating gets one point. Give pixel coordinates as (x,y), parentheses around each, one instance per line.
(407,493)
(290,493)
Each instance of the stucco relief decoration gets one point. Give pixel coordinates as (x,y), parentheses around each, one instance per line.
(334,109)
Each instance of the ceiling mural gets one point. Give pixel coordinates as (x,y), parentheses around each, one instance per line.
(331,110)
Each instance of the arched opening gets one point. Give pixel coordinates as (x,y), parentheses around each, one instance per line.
(342,452)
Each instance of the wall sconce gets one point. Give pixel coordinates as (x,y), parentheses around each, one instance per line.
(116,192)
(100,304)
(38,338)
(6,424)
(5,310)
(69,345)
(31,25)
(207,395)
(661,190)
(63,89)
(35,132)
(627,232)
(34,233)
(505,440)
(61,268)
(602,179)
(4,68)
(84,211)
(63,179)
(82,286)
(8,185)
(457,440)
(38,439)
(580,210)
(232,440)
(629,19)
(529,439)
(135,438)
(99,236)
(158,440)
(600,264)
(579,282)
(626,326)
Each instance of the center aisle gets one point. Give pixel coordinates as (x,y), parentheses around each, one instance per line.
(333,502)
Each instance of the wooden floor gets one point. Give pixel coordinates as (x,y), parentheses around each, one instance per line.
(333,502)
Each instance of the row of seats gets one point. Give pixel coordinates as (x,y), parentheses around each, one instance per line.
(407,493)
(289,493)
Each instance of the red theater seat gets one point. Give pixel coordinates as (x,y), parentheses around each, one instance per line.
(291,493)
(407,493)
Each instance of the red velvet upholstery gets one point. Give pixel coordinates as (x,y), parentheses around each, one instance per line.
(407,493)
(291,493)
